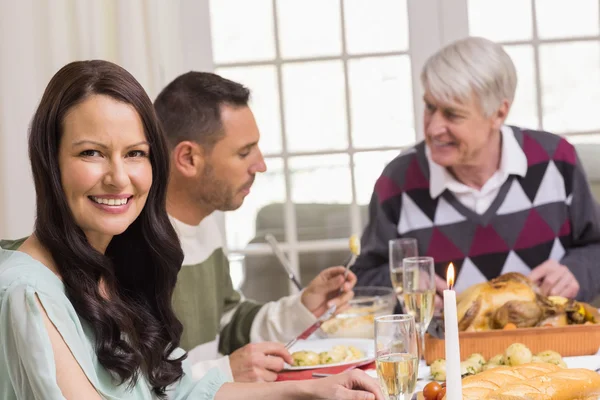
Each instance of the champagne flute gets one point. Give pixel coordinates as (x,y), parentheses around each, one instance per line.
(397,355)
(419,293)
(400,249)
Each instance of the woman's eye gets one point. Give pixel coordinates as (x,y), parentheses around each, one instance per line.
(90,153)
(137,153)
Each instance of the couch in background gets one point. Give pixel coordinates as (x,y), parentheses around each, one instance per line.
(265,279)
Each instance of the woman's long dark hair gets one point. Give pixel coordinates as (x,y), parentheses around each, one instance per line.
(135,327)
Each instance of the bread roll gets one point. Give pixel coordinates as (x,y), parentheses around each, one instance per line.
(482,385)
(566,384)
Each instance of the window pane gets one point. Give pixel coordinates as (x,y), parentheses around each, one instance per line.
(523,112)
(570,75)
(375,26)
(242,30)
(592,138)
(315,110)
(501,21)
(368,167)
(306,33)
(264,101)
(588,148)
(241,225)
(381,101)
(563,19)
(322,193)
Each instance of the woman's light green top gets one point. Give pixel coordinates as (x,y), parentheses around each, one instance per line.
(27,367)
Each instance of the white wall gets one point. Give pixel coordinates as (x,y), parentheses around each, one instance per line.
(18,77)
(37,37)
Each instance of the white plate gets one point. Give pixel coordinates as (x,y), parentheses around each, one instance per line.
(365,345)
(587,362)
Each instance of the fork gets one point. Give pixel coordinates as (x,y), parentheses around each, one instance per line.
(350,368)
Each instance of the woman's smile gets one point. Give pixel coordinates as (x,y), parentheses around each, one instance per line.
(113,204)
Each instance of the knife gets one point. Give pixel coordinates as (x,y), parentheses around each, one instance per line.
(283,260)
(360,364)
(311,329)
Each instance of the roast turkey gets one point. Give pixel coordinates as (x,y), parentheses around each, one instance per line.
(477,305)
(513,298)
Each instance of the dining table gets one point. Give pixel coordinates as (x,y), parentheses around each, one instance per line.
(591,362)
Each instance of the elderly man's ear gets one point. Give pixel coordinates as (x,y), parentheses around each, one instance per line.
(501,114)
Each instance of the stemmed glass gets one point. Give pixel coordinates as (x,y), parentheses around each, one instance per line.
(419,292)
(399,250)
(397,355)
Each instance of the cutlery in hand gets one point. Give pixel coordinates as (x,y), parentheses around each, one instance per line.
(361,364)
(311,329)
(283,259)
(355,250)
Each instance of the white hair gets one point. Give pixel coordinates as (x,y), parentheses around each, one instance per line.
(471,66)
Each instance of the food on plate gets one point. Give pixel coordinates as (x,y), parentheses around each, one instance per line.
(472,365)
(351,327)
(494,362)
(563,384)
(337,354)
(358,320)
(523,313)
(516,354)
(497,359)
(510,326)
(549,356)
(591,313)
(442,394)
(305,358)
(528,381)
(437,369)
(432,390)
(477,359)
(484,384)
(555,320)
(513,301)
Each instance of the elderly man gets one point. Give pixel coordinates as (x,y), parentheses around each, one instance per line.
(487,197)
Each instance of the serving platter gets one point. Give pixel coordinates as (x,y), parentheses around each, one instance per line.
(569,341)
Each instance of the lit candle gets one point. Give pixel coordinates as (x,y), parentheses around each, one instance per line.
(453,379)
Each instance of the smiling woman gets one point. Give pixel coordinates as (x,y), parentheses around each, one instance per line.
(105,167)
(91,288)
(85,302)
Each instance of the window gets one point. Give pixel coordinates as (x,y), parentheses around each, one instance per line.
(555,46)
(332,94)
(336,93)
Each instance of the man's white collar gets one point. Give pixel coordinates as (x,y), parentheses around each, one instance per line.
(512,162)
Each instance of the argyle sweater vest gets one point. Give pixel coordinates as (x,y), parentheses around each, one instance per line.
(529,222)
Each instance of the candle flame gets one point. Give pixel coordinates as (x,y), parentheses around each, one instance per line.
(450,276)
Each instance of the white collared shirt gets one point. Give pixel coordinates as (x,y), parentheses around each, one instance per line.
(512,162)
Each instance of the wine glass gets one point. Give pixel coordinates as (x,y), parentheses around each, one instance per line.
(419,293)
(397,355)
(399,250)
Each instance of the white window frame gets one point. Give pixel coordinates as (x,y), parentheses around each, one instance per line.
(535,42)
(432,24)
